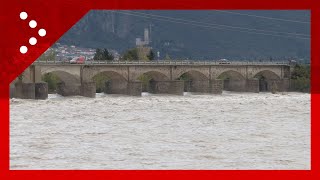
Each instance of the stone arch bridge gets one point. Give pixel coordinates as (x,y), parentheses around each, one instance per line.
(168,78)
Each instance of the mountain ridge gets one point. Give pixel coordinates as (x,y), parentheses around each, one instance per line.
(198,34)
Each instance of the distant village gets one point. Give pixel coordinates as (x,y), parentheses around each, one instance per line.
(62,52)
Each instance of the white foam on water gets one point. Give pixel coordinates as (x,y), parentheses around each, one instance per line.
(228,131)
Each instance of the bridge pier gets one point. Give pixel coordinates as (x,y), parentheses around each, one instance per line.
(29,90)
(216,86)
(16,90)
(134,88)
(12,89)
(24,90)
(88,89)
(175,87)
(252,85)
(41,90)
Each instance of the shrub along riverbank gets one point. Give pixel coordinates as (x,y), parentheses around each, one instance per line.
(300,78)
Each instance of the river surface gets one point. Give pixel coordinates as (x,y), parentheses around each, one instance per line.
(228,131)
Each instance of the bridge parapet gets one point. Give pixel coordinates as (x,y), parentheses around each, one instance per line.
(164,62)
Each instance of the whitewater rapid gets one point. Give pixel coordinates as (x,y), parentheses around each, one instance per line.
(228,131)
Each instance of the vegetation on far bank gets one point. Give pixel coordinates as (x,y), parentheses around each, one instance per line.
(52,81)
(103,54)
(300,78)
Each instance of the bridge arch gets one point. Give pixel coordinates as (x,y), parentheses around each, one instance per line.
(63,76)
(111,75)
(110,82)
(193,75)
(149,80)
(194,81)
(231,74)
(155,75)
(267,79)
(233,80)
(64,72)
(267,74)
(56,77)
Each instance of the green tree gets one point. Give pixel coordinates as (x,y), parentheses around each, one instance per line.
(300,71)
(131,55)
(52,81)
(145,79)
(107,55)
(51,56)
(100,81)
(103,54)
(98,55)
(151,55)
(300,78)
(184,77)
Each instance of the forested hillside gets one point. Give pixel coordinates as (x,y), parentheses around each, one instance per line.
(249,35)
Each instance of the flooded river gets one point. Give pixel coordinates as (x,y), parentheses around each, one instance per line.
(228,131)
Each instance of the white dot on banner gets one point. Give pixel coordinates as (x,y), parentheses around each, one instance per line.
(33,41)
(33,24)
(23,49)
(42,32)
(23,15)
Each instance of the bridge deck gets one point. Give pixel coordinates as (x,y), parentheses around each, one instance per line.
(237,63)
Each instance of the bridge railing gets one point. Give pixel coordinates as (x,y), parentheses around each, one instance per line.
(164,62)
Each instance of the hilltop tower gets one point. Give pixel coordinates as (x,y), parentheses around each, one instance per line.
(146,36)
(146,40)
